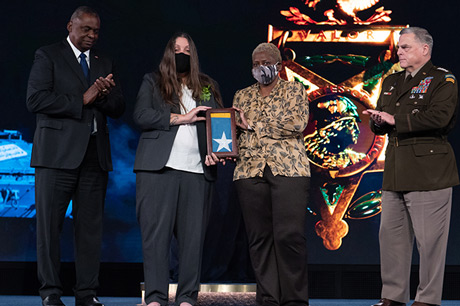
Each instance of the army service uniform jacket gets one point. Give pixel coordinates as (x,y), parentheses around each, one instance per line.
(418,155)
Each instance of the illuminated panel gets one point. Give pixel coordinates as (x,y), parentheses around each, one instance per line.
(338,140)
(373,96)
(375,36)
(292,76)
(10,151)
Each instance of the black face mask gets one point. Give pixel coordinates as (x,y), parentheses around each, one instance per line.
(182,62)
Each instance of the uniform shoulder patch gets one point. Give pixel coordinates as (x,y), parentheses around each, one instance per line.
(450,78)
(443,69)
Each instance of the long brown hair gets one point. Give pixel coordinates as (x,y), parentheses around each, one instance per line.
(169,81)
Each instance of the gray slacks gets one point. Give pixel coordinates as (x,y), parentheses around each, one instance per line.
(425,216)
(172,202)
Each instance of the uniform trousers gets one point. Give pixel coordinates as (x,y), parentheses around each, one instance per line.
(172,202)
(54,188)
(425,216)
(274,211)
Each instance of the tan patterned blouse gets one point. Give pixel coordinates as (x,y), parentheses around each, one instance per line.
(278,121)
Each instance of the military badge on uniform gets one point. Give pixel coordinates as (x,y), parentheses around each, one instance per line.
(422,86)
(450,78)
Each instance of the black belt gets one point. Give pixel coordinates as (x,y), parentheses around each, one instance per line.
(405,141)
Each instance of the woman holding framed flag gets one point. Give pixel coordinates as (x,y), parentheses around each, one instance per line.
(173,182)
(272,178)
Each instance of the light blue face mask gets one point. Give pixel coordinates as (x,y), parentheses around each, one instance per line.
(265,74)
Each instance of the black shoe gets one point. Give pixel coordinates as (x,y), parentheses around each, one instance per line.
(387,302)
(52,300)
(89,300)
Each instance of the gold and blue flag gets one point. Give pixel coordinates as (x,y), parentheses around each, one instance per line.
(221,130)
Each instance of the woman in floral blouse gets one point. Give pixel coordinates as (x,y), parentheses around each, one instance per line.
(173,176)
(272,178)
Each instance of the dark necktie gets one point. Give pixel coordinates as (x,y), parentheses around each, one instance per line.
(408,79)
(84,66)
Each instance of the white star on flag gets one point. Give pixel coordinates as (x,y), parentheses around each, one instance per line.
(223,142)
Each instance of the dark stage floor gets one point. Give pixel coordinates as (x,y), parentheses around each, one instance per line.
(208,299)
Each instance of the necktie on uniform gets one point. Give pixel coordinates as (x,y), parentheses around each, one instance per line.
(408,79)
(84,66)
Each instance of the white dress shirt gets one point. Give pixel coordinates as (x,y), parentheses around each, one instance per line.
(77,55)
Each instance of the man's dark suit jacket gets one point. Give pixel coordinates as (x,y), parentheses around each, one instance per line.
(152,114)
(55,94)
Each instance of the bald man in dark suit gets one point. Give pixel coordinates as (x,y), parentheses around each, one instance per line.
(72,89)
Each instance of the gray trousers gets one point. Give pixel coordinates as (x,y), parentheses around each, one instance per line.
(425,216)
(172,202)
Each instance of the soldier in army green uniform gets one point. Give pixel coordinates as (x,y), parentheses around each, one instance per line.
(416,109)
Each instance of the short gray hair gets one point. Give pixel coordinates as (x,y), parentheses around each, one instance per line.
(421,35)
(270,49)
(84,10)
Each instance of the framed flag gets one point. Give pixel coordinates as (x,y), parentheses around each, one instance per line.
(221,132)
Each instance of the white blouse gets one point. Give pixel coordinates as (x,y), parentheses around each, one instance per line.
(185,154)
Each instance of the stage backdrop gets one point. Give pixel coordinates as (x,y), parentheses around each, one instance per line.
(322,48)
